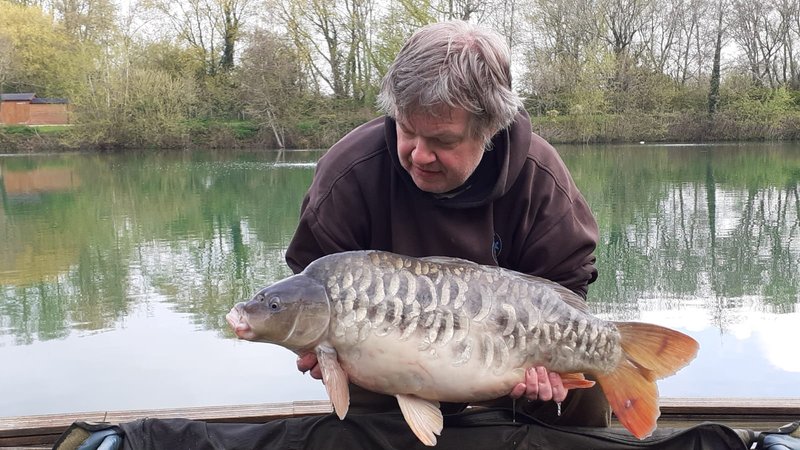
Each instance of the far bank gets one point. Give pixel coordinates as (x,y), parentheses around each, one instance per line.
(317,133)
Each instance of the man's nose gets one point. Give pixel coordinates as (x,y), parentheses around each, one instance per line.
(422,154)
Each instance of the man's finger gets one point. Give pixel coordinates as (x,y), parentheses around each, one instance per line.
(518,391)
(545,389)
(559,392)
(306,362)
(531,384)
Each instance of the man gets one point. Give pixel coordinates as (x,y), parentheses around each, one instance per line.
(453,169)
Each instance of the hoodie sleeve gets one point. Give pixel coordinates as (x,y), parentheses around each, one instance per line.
(559,229)
(331,221)
(309,241)
(338,211)
(565,252)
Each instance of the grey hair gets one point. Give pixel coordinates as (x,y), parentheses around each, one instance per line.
(453,64)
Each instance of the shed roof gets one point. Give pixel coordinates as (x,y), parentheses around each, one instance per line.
(29,96)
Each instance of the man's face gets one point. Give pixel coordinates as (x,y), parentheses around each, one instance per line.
(438,151)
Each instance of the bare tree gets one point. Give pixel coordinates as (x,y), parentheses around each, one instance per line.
(566,28)
(334,39)
(789,12)
(674,40)
(624,20)
(713,93)
(697,32)
(462,9)
(661,34)
(212,27)
(761,32)
(359,65)
(88,20)
(507,21)
(271,82)
(794,36)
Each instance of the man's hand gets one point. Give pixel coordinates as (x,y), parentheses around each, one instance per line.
(308,362)
(540,385)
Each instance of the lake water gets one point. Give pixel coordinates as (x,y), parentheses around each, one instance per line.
(116,271)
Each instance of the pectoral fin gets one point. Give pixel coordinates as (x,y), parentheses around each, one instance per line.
(423,416)
(335,379)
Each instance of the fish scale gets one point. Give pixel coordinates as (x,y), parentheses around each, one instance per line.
(546,320)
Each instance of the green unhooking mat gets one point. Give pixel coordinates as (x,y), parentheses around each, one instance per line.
(474,429)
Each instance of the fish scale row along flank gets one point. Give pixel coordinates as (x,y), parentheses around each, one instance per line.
(442,302)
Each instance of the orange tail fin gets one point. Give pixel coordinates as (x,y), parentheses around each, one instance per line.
(650,352)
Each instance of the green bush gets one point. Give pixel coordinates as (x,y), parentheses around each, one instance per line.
(139,108)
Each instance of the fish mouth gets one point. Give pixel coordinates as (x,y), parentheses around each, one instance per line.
(239,323)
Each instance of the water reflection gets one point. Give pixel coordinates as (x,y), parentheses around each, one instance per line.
(702,238)
(719,224)
(201,229)
(20,185)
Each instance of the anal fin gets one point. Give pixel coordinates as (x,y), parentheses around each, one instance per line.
(423,416)
(575,381)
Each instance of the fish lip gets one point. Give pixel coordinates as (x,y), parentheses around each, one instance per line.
(234,316)
(237,321)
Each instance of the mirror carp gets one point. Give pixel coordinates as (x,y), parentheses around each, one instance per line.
(445,329)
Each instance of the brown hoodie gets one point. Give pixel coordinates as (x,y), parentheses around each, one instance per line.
(520,209)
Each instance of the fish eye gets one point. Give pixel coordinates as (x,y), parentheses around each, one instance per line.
(275,303)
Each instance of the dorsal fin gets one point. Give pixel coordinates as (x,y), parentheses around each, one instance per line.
(569,297)
(450,260)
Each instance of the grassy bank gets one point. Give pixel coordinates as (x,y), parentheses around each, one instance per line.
(39,138)
(686,127)
(206,134)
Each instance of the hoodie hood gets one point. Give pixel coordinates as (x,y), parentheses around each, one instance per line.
(494,176)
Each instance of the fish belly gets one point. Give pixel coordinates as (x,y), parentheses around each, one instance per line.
(390,366)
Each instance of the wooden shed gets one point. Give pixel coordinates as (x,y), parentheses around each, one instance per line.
(28,109)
